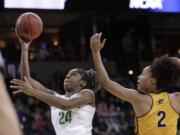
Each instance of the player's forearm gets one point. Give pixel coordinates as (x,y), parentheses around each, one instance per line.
(25,62)
(22,70)
(36,85)
(100,69)
(47,91)
(8,118)
(51,100)
(26,71)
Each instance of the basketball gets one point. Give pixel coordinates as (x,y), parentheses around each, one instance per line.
(29,26)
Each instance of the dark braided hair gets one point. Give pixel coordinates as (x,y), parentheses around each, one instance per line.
(166,71)
(91,79)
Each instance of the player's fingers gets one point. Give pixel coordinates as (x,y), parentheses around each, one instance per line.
(18,35)
(25,78)
(17,92)
(27,43)
(17,81)
(94,38)
(104,41)
(99,37)
(91,39)
(15,87)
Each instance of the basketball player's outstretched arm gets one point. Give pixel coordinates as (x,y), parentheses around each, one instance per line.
(114,88)
(175,97)
(85,96)
(9,124)
(25,71)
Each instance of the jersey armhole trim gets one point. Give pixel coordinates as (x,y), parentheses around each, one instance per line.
(137,126)
(171,104)
(149,109)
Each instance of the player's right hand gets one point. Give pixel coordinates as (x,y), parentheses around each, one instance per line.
(24,44)
(95,42)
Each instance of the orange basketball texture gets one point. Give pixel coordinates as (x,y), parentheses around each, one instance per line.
(29,26)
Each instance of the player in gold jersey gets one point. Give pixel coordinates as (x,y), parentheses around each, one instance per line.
(156,106)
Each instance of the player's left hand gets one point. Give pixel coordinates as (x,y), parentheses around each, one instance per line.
(24,44)
(23,86)
(95,42)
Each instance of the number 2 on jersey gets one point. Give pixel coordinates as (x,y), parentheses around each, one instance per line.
(162,116)
(65,117)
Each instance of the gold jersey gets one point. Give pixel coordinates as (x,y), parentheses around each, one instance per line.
(161,119)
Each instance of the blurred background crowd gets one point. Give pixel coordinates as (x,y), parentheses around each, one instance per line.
(134,38)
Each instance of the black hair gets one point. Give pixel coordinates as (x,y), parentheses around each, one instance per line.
(91,79)
(166,72)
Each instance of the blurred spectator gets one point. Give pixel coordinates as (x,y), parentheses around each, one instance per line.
(101,128)
(42,53)
(38,122)
(102,109)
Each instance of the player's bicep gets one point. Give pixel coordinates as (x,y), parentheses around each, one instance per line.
(121,92)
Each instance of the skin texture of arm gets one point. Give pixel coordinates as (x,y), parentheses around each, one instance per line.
(84,97)
(25,71)
(116,89)
(175,101)
(9,124)
(141,102)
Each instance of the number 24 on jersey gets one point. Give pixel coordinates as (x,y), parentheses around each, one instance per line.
(65,117)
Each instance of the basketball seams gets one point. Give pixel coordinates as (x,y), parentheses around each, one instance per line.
(30,28)
(37,21)
(25,27)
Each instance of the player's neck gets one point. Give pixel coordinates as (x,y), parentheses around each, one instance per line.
(70,93)
(154,90)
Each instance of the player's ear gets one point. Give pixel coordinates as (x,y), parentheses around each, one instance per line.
(152,81)
(83,83)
